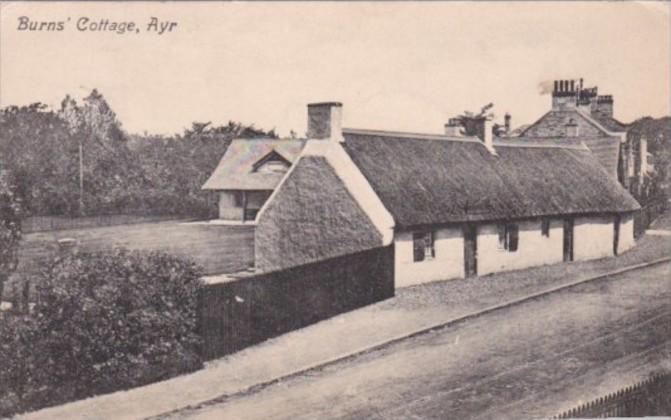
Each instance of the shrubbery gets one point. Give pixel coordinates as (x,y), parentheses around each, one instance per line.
(102,322)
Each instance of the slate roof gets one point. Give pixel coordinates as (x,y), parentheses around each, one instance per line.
(605,146)
(236,168)
(610,123)
(430,179)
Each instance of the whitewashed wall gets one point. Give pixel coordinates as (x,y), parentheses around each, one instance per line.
(533,248)
(227,208)
(626,240)
(593,237)
(447,264)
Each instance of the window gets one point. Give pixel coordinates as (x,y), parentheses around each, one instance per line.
(423,248)
(545,227)
(508,237)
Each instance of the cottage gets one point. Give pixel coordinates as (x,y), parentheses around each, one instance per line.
(451,206)
(247,174)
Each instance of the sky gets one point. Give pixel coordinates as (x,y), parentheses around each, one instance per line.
(405,66)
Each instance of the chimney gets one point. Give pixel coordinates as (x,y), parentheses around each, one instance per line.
(453,127)
(506,122)
(325,121)
(564,94)
(482,128)
(488,135)
(571,129)
(643,157)
(604,106)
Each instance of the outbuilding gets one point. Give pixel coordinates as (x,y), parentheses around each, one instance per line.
(248,173)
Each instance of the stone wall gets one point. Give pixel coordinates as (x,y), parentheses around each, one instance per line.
(533,248)
(626,240)
(448,262)
(593,237)
(227,208)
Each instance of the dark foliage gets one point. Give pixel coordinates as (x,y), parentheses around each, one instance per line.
(175,168)
(656,188)
(10,228)
(103,321)
(121,173)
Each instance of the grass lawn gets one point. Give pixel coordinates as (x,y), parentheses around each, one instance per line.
(216,248)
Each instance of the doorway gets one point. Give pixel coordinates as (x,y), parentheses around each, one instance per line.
(470,250)
(568,240)
(616,233)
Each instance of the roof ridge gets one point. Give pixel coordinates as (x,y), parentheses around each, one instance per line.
(581,146)
(409,135)
(267,139)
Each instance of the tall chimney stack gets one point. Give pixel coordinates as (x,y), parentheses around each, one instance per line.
(506,122)
(325,121)
(604,105)
(643,157)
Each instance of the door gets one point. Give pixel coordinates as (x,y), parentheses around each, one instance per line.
(470,251)
(568,240)
(616,234)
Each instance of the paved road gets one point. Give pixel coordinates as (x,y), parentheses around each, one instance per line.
(528,361)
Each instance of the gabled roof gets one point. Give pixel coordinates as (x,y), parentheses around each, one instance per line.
(424,180)
(604,143)
(236,170)
(273,156)
(560,117)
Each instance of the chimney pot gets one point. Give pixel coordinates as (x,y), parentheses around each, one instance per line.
(325,121)
(453,128)
(572,129)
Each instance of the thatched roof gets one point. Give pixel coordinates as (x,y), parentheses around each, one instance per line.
(426,180)
(236,170)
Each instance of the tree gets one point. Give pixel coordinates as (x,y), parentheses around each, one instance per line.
(102,152)
(39,152)
(657,186)
(10,228)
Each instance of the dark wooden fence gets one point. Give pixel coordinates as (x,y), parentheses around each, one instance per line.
(647,215)
(49,223)
(248,310)
(651,397)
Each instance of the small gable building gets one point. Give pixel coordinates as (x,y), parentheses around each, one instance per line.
(248,173)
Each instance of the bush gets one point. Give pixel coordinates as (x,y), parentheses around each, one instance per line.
(106,321)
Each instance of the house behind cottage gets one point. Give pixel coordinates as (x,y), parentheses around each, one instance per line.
(581,112)
(248,173)
(452,206)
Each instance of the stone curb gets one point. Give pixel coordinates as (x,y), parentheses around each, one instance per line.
(422,331)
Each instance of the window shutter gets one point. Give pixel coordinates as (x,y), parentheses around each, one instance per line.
(545,227)
(502,236)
